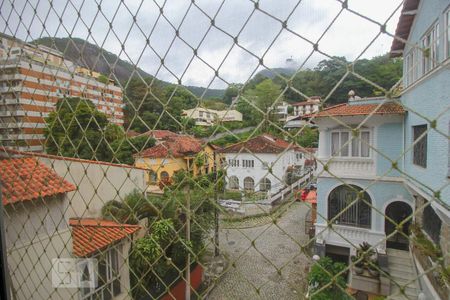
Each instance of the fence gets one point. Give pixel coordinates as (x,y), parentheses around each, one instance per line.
(112,164)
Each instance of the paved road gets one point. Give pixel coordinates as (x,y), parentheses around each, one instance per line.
(274,266)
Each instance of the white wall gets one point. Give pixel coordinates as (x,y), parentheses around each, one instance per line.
(97,184)
(279,162)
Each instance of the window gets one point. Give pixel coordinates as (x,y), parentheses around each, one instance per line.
(358,147)
(233,162)
(298,156)
(430,49)
(152,176)
(432,224)
(248,163)
(447,19)
(411,67)
(108,273)
(249,184)
(233,183)
(343,205)
(265,185)
(164,175)
(420,145)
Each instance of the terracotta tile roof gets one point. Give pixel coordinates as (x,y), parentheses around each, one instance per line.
(403,27)
(346,109)
(56,157)
(159,134)
(25,179)
(132,133)
(264,143)
(92,235)
(174,146)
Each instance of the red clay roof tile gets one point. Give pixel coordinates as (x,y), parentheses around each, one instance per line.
(174,146)
(264,143)
(25,179)
(92,235)
(346,109)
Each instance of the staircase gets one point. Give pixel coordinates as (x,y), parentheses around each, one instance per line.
(402,271)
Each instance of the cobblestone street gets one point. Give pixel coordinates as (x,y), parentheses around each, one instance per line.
(275,267)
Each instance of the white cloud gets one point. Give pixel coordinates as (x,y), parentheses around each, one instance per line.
(348,36)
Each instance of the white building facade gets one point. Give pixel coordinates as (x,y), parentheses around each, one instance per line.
(209,117)
(263,165)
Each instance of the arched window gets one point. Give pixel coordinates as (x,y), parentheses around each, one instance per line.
(164,175)
(265,185)
(343,205)
(233,183)
(249,184)
(152,176)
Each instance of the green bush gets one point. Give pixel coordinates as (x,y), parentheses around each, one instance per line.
(324,272)
(233,195)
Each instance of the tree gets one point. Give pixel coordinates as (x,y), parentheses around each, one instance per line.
(103,79)
(122,150)
(76,129)
(231,92)
(134,207)
(308,137)
(324,272)
(263,96)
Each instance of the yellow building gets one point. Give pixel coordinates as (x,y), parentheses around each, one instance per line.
(173,154)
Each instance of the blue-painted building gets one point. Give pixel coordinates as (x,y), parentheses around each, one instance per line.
(387,160)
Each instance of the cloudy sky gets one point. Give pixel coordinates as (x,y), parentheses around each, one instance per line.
(123,27)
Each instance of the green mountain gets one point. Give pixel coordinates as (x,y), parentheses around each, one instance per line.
(100,60)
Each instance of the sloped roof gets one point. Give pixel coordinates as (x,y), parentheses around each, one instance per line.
(346,109)
(264,143)
(159,134)
(25,179)
(92,235)
(404,26)
(174,146)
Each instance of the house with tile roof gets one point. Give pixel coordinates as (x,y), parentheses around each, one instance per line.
(425,49)
(36,205)
(386,162)
(262,163)
(173,154)
(109,243)
(359,190)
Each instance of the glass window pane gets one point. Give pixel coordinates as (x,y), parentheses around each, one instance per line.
(355,147)
(365,140)
(448,33)
(334,143)
(344,147)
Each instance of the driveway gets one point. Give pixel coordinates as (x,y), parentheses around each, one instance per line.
(274,268)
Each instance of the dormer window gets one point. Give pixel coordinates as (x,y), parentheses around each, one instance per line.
(343,145)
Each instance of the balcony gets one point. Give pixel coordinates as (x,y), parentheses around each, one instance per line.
(349,236)
(348,167)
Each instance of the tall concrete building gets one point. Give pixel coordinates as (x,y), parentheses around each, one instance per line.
(32,79)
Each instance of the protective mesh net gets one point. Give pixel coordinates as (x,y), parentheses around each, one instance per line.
(273,191)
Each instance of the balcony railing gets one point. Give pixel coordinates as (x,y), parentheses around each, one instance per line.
(354,167)
(348,236)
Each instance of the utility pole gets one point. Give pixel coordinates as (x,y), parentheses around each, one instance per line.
(216,217)
(188,239)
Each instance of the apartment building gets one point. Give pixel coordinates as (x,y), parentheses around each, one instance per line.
(307,107)
(32,79)
(209,117)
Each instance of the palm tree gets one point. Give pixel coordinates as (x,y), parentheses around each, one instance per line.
(134,207)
